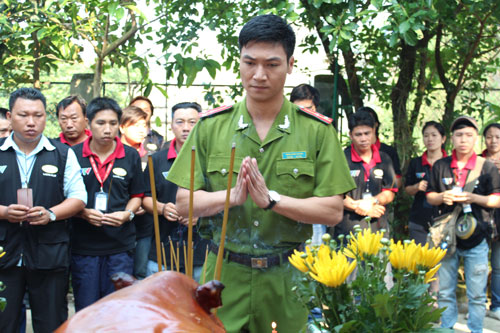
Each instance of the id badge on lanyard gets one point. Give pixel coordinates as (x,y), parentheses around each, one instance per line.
(101,198)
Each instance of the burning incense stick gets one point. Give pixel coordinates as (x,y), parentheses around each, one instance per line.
(189,263)
(155,212)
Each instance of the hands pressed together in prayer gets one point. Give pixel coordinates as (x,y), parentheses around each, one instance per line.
(250,182)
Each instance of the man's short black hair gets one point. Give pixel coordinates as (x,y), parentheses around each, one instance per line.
(3,113)
(100,104)
(373,114)
(361,118)
(63,104)
(186,105)
(487,128)
(268,28)
(305,91)
(27,93)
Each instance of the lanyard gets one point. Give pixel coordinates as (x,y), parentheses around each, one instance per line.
(26,171)
(96,171)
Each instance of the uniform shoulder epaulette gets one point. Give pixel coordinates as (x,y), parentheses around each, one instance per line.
(317,115)
(215,111)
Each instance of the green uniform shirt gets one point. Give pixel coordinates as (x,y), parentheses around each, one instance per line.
(300,157)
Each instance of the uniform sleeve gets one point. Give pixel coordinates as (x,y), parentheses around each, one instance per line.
(410,178)
(180,172)
(493,185)
(147,183)
(137,186)
(74,187)
(332,172)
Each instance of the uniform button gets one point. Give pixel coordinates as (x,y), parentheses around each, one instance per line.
(256,223)
(295,171)
(261,150)
(223,171)
(255,246)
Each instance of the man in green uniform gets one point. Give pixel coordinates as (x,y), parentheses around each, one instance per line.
(289,167)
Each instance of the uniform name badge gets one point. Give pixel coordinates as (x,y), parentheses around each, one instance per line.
(367,195)
(25,197)
(101,201)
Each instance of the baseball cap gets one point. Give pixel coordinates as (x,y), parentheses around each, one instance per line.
(465,120)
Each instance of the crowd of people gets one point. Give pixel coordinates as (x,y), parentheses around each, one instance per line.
(81,205)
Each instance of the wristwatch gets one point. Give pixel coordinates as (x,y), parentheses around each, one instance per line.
(132,215)
(274,198)
(52,216)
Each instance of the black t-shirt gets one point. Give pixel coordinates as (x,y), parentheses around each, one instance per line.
(421,211)
(125,180)
(443,179)
(166,192)
(393,154)
(382,177)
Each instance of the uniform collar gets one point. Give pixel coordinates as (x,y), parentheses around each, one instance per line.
(377,143)
(282,122)
(172,153)
(119,151)
(375,155)
(471,163)
(44,143)
(63,138)
(425,161)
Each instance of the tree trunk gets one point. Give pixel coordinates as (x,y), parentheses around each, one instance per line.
(36,63)
(352,78)
(97,83)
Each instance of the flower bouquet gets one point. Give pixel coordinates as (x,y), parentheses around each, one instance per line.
(351,283)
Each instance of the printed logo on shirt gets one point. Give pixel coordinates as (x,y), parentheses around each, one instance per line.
(85,171)
(355,173)
(120,172)
(49,170)
(165,174)
(2,168)
(378,173)
(294,155)
(420,175)
(447,181)
(151,147)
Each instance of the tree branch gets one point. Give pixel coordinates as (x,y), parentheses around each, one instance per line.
(126,36)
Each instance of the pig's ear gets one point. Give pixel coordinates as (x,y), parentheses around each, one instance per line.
(208,295)
(122,280)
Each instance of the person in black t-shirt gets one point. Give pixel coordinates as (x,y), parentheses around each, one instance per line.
(492,152)
(445,190)
(374,175)
(154,140)
(172,224)
(389,150)
(417,178)
(103,235)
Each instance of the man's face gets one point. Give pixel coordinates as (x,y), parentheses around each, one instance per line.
(361,137)
(4,128)
(492,140)
(144,106)
(135,133)
(263,70)
(464,140)
(306,103)
(72,121)
(183,122)
(27,119)
(104,127)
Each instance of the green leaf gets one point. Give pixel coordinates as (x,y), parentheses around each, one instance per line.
(381,306)
(410,37)
(148,89)
(158,122)
(404,27)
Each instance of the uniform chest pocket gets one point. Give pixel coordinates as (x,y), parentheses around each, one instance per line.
(218,169)
(295,177)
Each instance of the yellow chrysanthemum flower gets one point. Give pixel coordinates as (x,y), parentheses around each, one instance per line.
(429,276)
(364,243)
(405,256)
(431,257)
(298,262)
(331,268)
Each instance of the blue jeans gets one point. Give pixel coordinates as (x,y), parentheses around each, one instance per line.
(91,276)
(476,276)
(495,275)
(142,247)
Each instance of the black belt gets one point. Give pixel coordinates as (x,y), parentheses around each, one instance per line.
(254,262)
